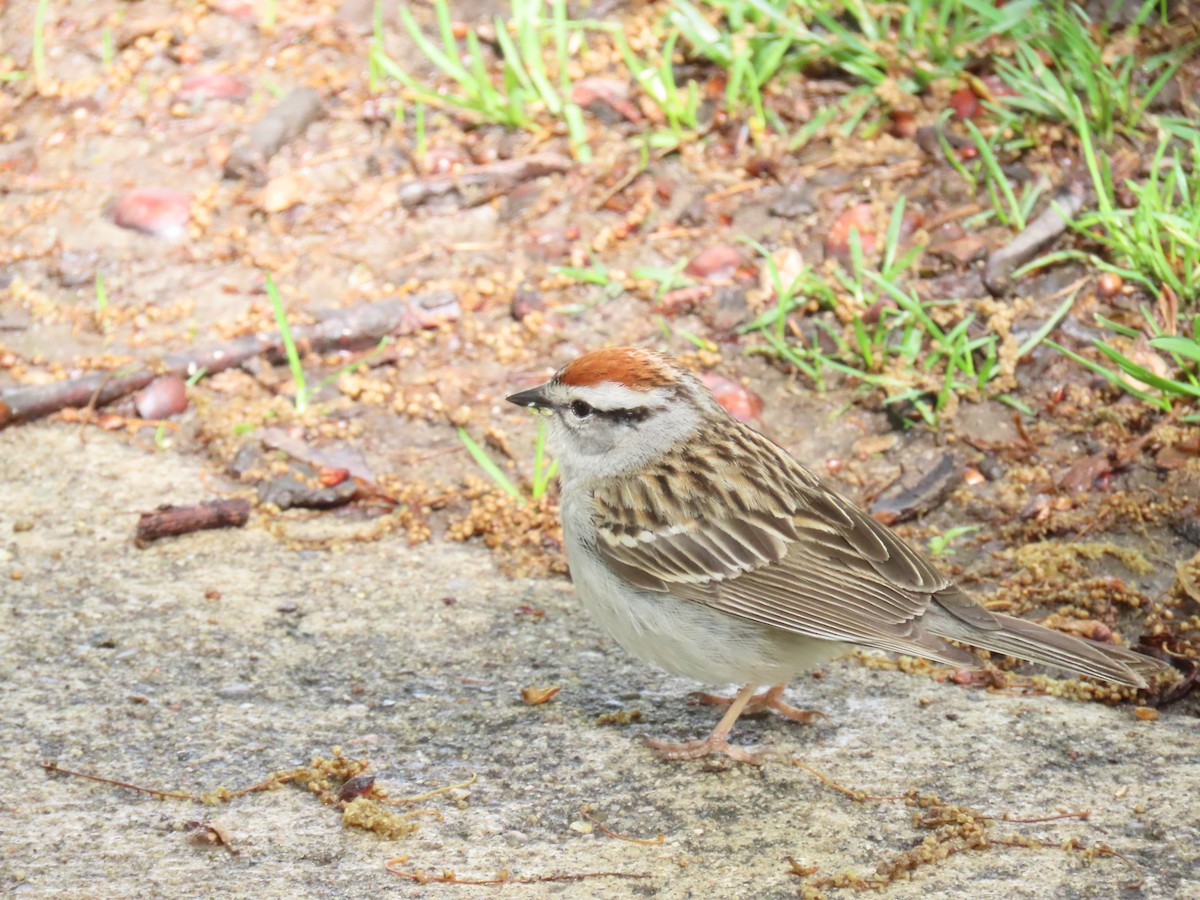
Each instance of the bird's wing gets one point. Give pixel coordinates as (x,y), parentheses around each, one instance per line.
(785,552)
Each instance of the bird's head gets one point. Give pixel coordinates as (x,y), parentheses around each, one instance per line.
(615,409)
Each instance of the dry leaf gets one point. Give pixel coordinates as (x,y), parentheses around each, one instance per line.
(211,834)
(535,696)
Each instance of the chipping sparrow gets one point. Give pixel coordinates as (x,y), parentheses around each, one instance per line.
(706,549)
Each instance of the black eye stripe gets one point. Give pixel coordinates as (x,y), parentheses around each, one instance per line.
(625,416)
(583,410)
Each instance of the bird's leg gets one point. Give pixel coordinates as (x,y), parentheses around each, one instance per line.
(772,698)
(717,742)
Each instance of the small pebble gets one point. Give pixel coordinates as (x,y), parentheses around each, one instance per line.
(526,300)
(606,98)
(162,398)
(1108,285)
(737,400)
(861,218)
(964,103)
(716,263)
(162,212)
(214,86)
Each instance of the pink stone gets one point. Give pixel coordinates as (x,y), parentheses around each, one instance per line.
(163,397)
(738,400)
(716,263)
(212,86)
(163,212)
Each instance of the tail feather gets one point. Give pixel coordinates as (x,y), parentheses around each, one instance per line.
(1037,643)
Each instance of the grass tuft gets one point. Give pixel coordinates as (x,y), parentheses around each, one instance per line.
(516,94)
(1165,371)
(920,352)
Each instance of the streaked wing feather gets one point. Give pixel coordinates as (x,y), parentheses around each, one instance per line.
(814,618)
(797,557)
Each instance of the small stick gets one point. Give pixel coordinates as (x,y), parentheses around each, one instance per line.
(265,785)
(1084,814)
(997,274)
(283,778)
(283,122)
(450,787)
(479,184)
(621,837)
(959,212)
(168,521)
(448,877)
(857,796)
(731,191)
(154,792)
(348,328)
(631,176)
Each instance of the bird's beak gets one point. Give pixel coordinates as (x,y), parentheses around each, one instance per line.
(534,398)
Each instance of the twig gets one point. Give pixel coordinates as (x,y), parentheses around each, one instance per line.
(448,877)
(479,184)
(857,796)
(283,122)
(154,792)
(1084,814)
(1102,849)
(1069,289)
(937,820)
(959,212)
(800,871)
(266,784)
(169,521)
(346,329)
(450,787)
(997,274)
(732,190)
(620,837)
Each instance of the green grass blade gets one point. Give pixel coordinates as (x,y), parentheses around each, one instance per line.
(1180,346)
(488,465)
(289,345)
(1112,377)
(1048,326)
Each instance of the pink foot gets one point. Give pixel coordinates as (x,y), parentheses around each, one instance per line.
(770,699)
(714,743)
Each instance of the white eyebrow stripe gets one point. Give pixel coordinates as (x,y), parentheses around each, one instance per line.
(610,395)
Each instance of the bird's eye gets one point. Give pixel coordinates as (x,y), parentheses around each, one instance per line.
(581,409)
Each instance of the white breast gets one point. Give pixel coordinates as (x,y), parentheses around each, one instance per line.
(681,636)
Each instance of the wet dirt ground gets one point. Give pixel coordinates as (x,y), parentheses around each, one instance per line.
(403,626)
